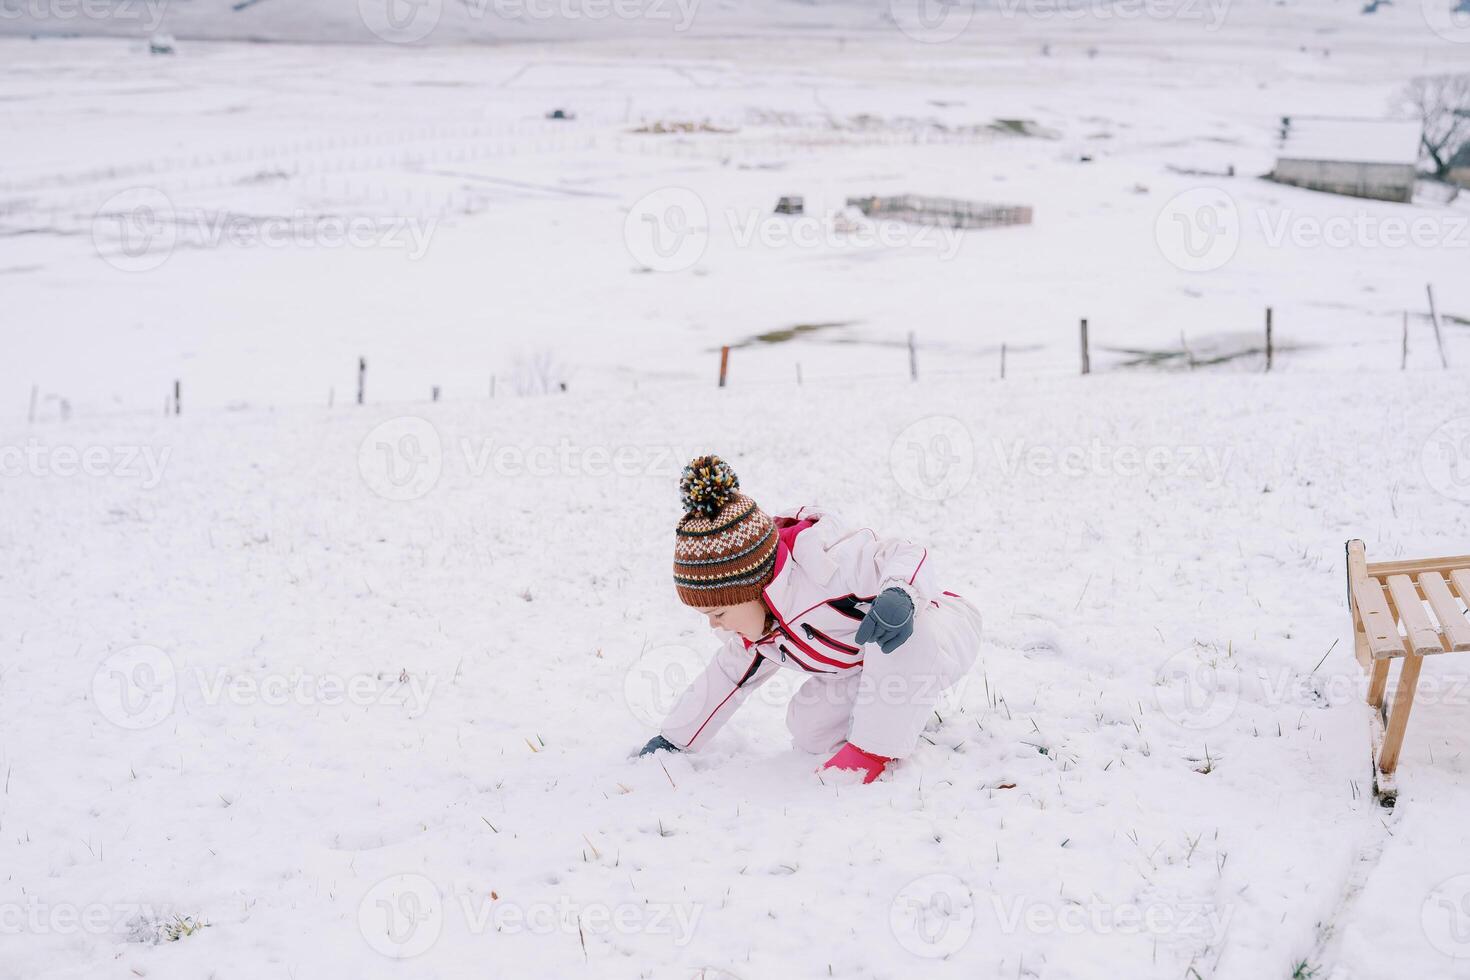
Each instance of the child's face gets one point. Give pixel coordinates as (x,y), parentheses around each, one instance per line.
(748,619)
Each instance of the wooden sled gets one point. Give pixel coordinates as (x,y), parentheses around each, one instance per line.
(1384,595)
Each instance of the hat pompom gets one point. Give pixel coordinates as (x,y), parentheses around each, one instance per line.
(706,485)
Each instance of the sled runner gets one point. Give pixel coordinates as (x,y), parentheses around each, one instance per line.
(1382,596)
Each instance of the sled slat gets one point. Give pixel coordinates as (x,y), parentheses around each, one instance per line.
(1461,578)
(1420,632)
(1382,569)
(1452,622)
(1378,624)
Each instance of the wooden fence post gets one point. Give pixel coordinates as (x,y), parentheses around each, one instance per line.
(798,374)
(1002,362)
(435,393)
(1404,354)
(178,403)
(913,359)
(1434,318)
(361,378)
(1086,354)
(724,364)
(1270,341)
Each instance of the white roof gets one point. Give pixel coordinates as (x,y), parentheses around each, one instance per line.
(1352,140)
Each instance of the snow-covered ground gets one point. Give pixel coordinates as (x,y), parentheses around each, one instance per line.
(188,216)
(293,665)
(357,686)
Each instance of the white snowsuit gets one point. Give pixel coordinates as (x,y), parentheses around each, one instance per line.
(826,576)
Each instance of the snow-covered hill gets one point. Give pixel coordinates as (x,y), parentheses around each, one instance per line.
(262,671)
(498,21)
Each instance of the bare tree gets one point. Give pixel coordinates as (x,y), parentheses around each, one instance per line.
(538,373)
(1442,105)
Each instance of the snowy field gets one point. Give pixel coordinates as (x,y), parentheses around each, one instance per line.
(295,688)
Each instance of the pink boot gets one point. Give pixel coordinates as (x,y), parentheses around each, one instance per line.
(854,759)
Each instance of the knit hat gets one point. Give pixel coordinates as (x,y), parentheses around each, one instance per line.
(724,545)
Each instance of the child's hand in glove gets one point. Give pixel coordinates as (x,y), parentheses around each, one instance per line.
(890,620)
(657,744)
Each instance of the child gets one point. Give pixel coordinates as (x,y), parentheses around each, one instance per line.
(859,613)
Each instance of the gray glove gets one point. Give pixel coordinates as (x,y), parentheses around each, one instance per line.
(657,744)
(889,622)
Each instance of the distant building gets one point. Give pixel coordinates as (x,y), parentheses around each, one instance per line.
(1376,158)
(1459,172)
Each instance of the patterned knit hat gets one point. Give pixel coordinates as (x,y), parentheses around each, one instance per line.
(724,545)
